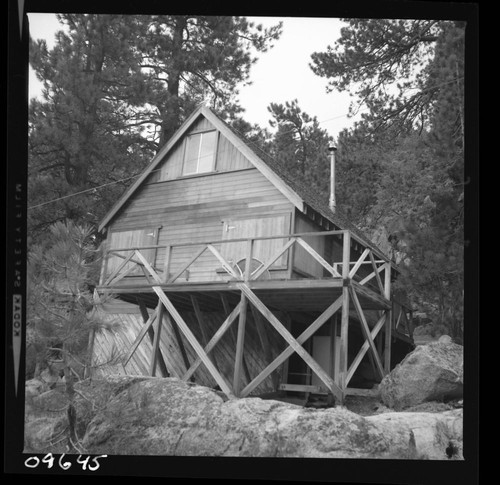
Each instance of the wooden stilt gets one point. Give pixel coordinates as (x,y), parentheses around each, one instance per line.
(178,338)
(388,338)
(240,342)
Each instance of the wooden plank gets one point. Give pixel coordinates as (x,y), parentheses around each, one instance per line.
(371,275)
(301,388)
(377,275)
(364,348)
(292,342)
(139,337)
(359,262)
(223,262)
(346,254)
(368,336)
(156,341)
(344,328)
(317,257)
(240,342)
(387,281)
(388,339)
(187,265)
(192,340)
(272,259)
(214,340)
(119,268)
(379,300)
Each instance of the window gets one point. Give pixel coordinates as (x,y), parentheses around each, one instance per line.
(132,239)
(199,156)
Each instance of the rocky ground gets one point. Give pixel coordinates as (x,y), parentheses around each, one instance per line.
(143,415)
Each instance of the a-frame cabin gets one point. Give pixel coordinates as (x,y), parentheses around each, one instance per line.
(219,268)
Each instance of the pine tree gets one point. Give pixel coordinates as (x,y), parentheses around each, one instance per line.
(403,162)
(62,272)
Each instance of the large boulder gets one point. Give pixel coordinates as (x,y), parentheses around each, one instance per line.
(154,416)
(432,372)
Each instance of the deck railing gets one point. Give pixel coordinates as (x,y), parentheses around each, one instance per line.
(339,267)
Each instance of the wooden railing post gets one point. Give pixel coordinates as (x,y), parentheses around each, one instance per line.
(344,323)
(248,263)
(388,320)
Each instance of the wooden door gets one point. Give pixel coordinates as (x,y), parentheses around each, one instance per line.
(234,252)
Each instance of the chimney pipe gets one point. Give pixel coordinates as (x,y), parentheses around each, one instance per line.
(332,149)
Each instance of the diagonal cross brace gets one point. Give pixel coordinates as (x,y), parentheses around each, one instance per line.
(367,333)
(192,340)
(292,342)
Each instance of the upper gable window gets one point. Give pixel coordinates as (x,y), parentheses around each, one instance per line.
(199,156)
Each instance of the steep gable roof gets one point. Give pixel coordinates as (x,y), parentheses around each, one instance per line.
(299,194)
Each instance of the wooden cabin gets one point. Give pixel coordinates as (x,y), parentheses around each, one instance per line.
(221,269)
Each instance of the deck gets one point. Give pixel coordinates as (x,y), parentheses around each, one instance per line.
(359,286)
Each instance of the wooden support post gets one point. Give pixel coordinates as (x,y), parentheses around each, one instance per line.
(377,275)
(248,262)
(388,339)
(388,326)
(240,342)
(166,263)
(156,341)
(344,322)
(192,340)
(233,332)
(315,367)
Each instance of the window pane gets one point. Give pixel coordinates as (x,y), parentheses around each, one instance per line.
(207,152)
(192,153)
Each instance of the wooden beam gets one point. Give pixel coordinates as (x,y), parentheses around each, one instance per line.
(315,367)
(344,333)
(318,258)
(272,259)
(368,336)
(156,341)
(364,348)
(346,254)
(387,281)
(377,275)
(166,263)
(359,262)
(214,340)
(223,262)
(388,339)
(371,275)
(240,343)
(192,340)
(140,336)
(119,268)
(187,265)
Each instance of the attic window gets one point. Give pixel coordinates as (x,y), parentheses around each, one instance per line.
(199,156)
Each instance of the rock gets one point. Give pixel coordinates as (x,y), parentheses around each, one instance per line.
(432,372)
(34,387)
(157,416)
(445,339)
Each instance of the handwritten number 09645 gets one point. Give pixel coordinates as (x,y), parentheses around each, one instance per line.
(34,461)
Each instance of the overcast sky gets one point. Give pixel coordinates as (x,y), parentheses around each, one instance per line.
(282,74)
